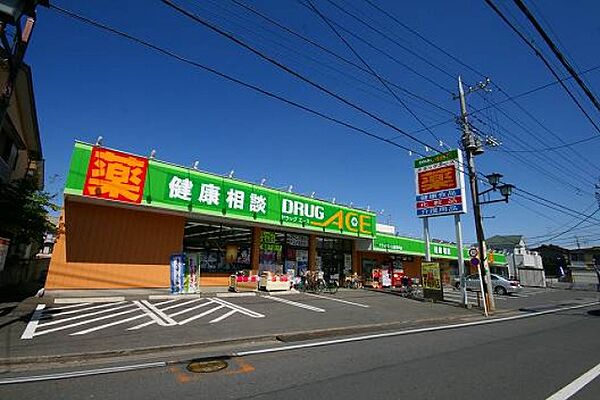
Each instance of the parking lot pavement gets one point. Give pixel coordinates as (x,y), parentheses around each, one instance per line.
(49,329)
(53,329)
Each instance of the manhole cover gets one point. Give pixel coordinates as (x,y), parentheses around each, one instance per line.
(205,367)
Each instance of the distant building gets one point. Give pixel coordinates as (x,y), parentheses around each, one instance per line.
(20,157)
(20,145)
(584,266)
(49,239)
(554,258)
(525,265)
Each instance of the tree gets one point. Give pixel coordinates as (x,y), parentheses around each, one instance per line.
(25,209)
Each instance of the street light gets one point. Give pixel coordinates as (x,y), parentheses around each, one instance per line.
(506,190)
(494,179)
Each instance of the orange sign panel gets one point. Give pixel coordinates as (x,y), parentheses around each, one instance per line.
(116,176)
(437,179)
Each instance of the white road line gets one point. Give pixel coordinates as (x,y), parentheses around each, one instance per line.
(83,309)
(241,309)
(166,320)
(338,300)
(162,303)
(71,306)
(195,317)
(576,385)
(86,322)
(61,320)
(295,303)
(222,317)
(133,328)
(180,304)
(97,328)
(88,300)
(191,308)
(33,323)
(408,331)
(76,374)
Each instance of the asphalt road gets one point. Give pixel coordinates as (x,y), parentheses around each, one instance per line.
(523,359)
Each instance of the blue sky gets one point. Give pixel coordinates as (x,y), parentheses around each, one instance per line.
(90,83)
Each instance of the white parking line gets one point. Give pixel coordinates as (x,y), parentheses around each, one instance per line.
(576,385)
(133,328)
(87,321)
(71,306)
(185,303)
(154,313)
(61,320)
(240,309)
(33,323)
(195,317)
(122,321)
(294,303)
(61,313)
(338,300)
(222,317)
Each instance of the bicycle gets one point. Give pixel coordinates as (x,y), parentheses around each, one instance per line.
(329,287)
(352,282)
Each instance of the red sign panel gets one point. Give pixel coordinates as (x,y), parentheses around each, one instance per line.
(115,176)
(437,179)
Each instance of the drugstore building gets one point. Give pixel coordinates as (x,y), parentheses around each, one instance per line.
(125,215)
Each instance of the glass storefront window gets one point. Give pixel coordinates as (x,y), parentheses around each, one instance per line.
(219,248)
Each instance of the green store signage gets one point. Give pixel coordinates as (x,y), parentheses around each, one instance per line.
(112,175)
(415,247)
(438,158)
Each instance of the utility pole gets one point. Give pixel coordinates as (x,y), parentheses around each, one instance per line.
(472,147)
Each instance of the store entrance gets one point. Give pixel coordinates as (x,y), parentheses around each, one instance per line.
(334,258)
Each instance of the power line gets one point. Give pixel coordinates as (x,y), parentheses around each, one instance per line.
(296,74)
(563,60)
(385,53)
(391,39)
(571,228)
(230,78)
(332,53)
(474,70)
(542,159)
(317,62)
(366,64)
(289,70)
(554,231)
(544,60)
(170,54)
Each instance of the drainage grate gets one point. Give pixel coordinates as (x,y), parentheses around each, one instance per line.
(205,367)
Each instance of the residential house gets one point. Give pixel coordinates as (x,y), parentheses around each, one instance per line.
(523,264)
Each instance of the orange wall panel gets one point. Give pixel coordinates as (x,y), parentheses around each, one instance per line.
(103,246)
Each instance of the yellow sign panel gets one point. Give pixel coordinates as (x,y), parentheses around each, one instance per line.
(431,276)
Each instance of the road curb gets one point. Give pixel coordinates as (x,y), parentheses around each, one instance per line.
(107,354)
